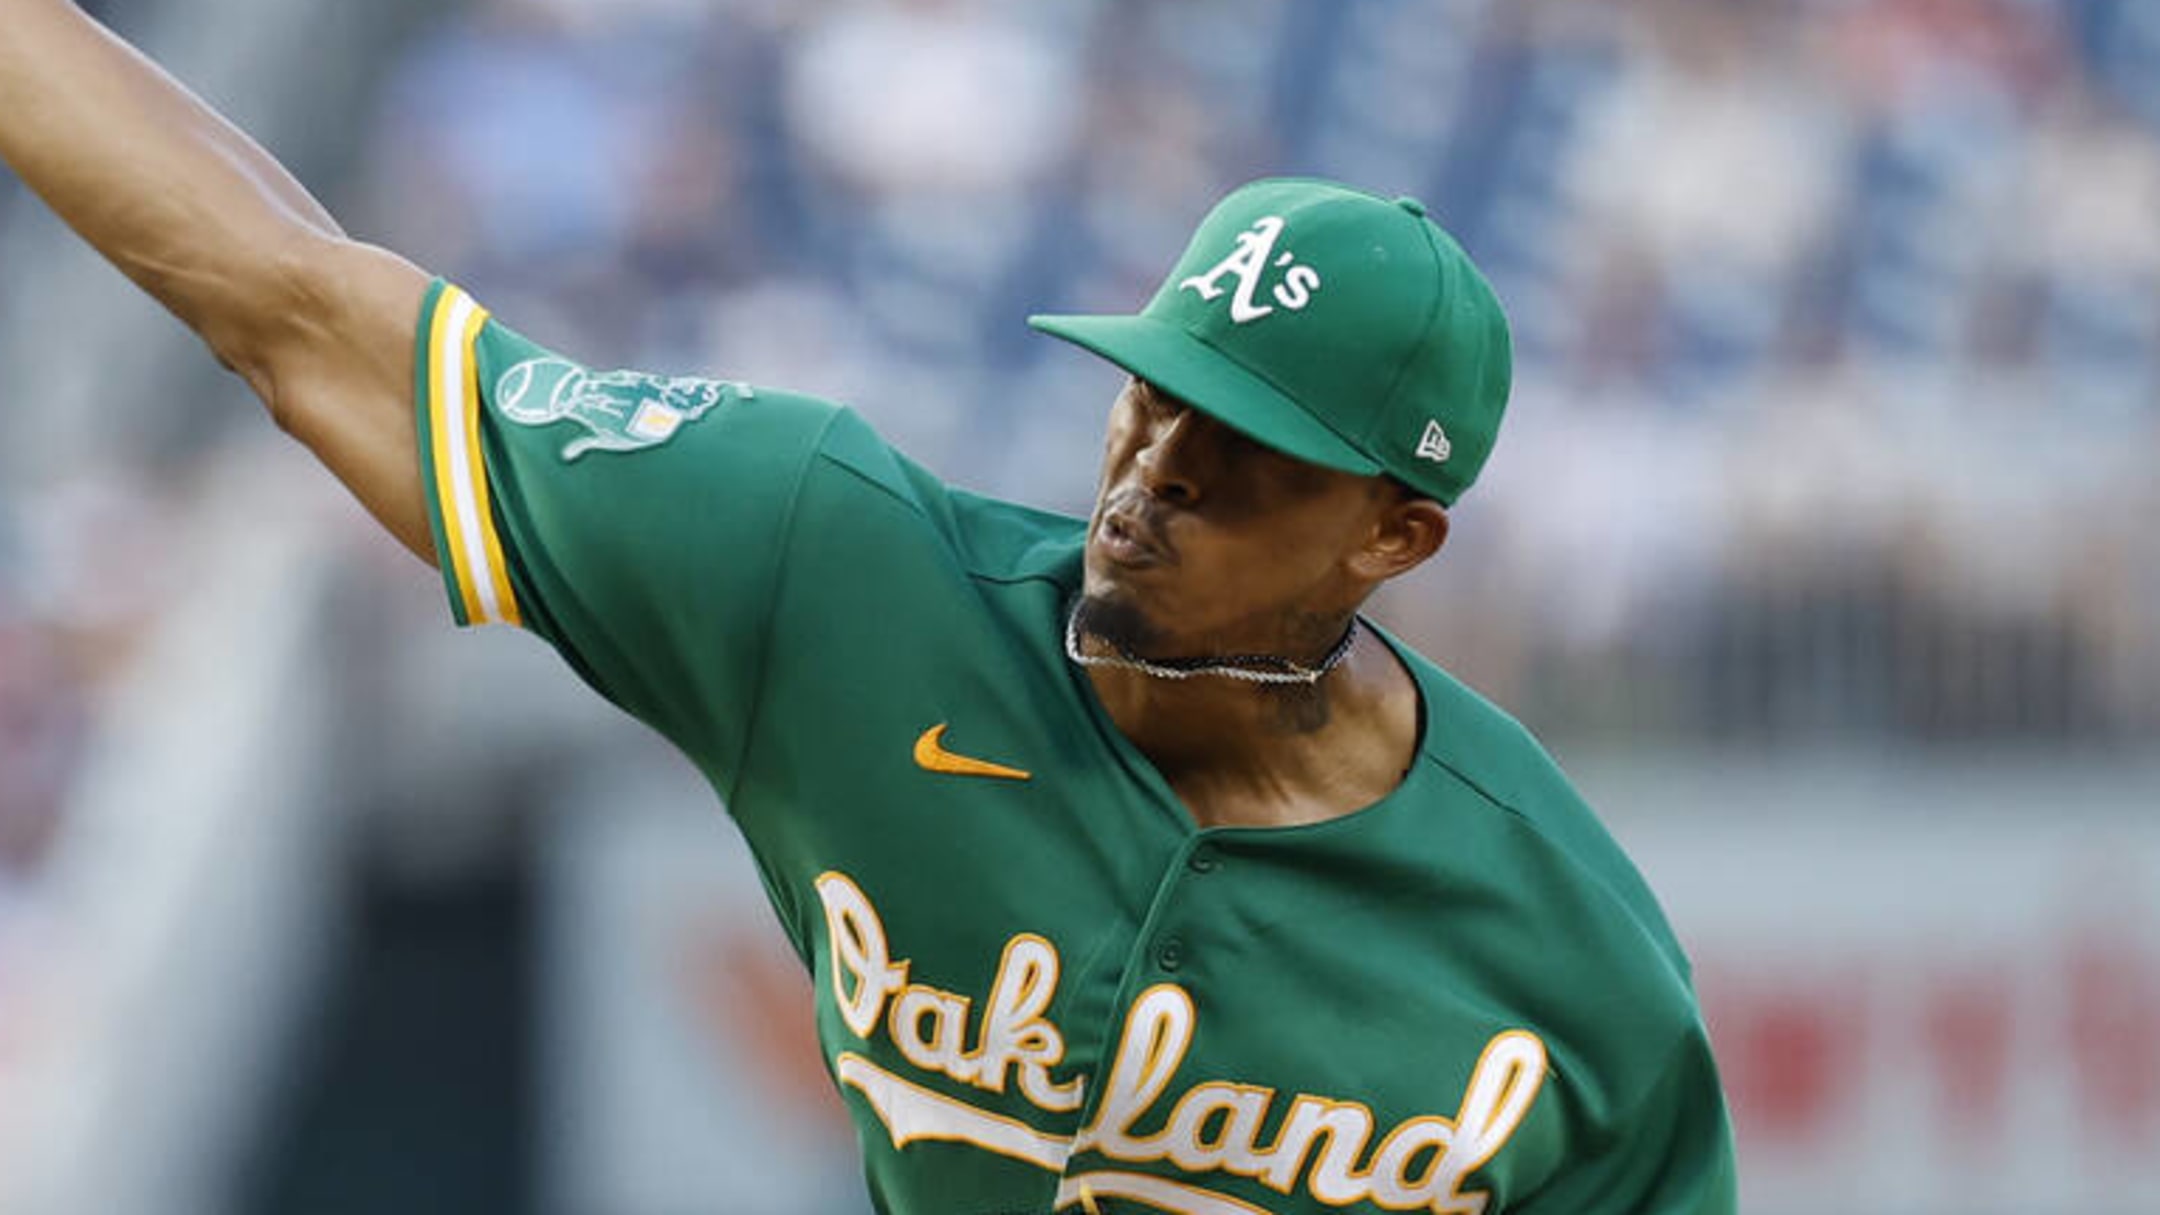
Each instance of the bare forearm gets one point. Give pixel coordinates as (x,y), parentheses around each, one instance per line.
(176,197)
(205,220)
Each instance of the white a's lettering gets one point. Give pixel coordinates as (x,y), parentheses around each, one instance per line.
(1506,1082)
(929,1025)
(1014,1032)
(1334,1149)
(859,952)
(1249,262)
(1158,1032)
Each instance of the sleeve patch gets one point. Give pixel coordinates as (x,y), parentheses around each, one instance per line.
(622,411)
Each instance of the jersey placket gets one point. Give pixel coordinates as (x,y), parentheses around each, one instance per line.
(1161,952)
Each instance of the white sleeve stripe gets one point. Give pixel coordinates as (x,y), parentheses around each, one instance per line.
(459,428)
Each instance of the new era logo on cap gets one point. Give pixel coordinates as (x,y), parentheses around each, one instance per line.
(1433,444)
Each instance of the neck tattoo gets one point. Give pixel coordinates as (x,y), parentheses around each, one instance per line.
(1251,668)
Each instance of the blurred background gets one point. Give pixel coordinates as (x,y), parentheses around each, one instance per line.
(1820,545)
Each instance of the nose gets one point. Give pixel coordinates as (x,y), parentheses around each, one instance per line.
(1168,458)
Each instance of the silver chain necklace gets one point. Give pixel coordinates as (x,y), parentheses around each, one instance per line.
(1235,666)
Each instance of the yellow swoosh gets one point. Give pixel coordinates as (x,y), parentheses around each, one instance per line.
(931,756)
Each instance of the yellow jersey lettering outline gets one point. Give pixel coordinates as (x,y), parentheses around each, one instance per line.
(911,1112)
(1160,1192)
(1212,1127)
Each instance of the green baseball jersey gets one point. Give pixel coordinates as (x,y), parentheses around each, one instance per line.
(1040,986)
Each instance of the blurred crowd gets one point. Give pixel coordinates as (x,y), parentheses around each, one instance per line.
(40,728)
(1838,320)
(69,546)
(1838,335)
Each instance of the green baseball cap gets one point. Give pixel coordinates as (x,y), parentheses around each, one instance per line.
(1331,324)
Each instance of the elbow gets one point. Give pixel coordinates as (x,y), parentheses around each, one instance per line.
(255,365)
(274,327)
(320,328)
(269,388)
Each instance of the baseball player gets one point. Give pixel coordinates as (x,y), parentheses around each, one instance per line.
(1134,868)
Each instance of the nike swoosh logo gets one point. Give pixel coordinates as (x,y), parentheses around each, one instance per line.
(931,756)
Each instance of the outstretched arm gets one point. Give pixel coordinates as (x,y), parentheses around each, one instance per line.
(198,215)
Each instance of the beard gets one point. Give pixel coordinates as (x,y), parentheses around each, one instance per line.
(1118,622)
(1301,704)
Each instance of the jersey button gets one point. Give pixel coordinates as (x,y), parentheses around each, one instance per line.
(1170,954)
(1201,862)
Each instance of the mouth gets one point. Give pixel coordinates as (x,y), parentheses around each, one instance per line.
(1129,539)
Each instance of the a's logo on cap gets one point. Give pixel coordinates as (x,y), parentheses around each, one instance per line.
(1434,445)
(1249,262)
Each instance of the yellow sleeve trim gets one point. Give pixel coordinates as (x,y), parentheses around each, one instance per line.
(461,485)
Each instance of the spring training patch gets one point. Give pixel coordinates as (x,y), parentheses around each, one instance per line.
(620,410)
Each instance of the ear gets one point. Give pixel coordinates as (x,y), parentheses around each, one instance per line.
(1408,532)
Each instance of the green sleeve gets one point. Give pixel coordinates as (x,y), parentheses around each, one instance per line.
(634,521)
(1670,1154)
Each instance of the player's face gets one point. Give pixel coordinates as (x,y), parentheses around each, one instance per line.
(1204,542)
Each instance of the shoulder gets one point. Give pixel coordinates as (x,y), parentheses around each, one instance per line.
(1588,934)
(1483,748)
(989,539)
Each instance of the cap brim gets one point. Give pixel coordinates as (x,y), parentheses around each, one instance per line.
(1194,372)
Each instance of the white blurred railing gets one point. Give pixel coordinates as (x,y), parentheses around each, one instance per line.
(183,912)
(190,894)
